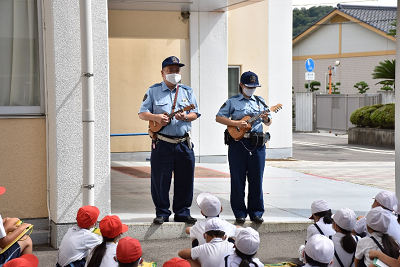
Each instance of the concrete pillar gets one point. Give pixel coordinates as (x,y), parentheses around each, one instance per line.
(397,114)
(64,111)
(279,77)
(209,79)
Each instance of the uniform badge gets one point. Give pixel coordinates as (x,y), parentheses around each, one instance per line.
(252,79)
(174,60)
(223,105)
(145,97)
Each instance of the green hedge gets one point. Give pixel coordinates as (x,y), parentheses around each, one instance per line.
(376,116)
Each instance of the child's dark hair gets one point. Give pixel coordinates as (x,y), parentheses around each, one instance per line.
(327,215)
(246,259)
(390,245)
(312,262)
(219,234)
(98,252)
(131,264)
(348,243)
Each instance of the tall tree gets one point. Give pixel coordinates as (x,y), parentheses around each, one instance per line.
(385,70)
(304,18)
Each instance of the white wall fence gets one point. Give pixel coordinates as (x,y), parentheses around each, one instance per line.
(332,112)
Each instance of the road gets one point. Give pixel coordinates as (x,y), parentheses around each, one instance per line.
(328,155)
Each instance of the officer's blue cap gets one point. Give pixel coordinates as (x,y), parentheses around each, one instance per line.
(172,60)
(249,79)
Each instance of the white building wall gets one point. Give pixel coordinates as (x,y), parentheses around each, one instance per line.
(280,77)
(64,109)
(209,80)
(356,38)
(324,40)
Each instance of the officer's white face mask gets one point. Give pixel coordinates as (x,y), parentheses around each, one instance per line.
(173,78)
(249,91)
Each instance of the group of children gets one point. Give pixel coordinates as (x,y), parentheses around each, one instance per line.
(341,240)
(346,241)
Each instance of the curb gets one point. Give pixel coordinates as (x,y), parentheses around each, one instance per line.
(172,230)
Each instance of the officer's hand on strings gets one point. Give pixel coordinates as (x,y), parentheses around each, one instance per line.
(162,119)
(241,124)
(180,116)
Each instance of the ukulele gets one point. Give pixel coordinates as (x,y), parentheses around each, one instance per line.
(238,133)
(155,126)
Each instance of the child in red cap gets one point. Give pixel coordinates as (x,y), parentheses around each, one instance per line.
(26,260)
(79,239)
(103,255)
(176,262)
(129,252)
(22,247)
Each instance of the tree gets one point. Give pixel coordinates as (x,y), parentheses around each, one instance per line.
(385,70)
(313,85)
(392,32)
(334,88)
(362,87)
(304,18)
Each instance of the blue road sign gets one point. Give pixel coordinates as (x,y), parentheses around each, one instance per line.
(310,65)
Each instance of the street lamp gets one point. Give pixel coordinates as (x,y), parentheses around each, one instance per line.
(330,68)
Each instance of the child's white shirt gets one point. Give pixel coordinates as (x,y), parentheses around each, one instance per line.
(366,244)
(212,253)
(325,228)
(234,260)
(197,230)
(345,258)
(2,230)
(108,257)
(76,245)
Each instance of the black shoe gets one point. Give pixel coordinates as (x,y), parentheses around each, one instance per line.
(160,220)
(185,219)
(240,220)
(257,219)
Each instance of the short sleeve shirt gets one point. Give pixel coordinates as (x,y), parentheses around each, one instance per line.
(76,244)
(159,99)
(2,230)
(365,244)
(238,106)
(212,253)
(345,258)
(234,261)
(197,230)
(325,228)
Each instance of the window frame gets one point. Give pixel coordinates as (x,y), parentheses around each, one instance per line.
(238,67)
(32,110)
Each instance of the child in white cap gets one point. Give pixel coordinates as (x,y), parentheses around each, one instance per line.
(378,222)
(345,243)
(386,200)
(393,262)
(246,246)
(213,252)
(210,207)
(318,251)
(321,214)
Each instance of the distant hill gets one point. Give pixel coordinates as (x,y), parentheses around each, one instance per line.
(304,18)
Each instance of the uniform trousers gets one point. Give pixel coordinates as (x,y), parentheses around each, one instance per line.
(242,165)
(165,159)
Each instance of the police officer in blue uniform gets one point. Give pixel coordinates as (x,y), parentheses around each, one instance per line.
(172,150)
(247,155)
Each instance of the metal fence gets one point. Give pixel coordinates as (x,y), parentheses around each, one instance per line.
(329,112)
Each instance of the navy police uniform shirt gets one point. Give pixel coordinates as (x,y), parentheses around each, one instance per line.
(159,99)
(238,106)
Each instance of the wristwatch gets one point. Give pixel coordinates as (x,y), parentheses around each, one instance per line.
(186,118)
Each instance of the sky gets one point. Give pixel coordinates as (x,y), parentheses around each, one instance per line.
(310,3)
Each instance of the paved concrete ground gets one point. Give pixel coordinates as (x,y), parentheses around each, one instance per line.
(289,189)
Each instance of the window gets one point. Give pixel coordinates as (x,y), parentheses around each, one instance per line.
(20,54)
(233,80)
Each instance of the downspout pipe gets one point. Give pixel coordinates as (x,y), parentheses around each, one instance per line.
(87,102)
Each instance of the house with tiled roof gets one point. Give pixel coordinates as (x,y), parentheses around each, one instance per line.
(357,36)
